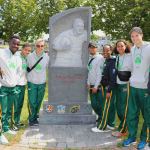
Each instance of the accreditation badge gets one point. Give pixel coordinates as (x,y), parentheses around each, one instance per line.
(138,60)
(24,67)
(38,68)
(12,65)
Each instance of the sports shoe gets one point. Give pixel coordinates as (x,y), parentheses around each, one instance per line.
(110,127)
(3,139)
(118,134)
(141,145)
(14,128)
(147,147)
(20,125)
(34,123)
(128,142)
(95,129)
(11,132)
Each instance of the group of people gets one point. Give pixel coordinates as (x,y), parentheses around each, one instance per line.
(116,83)
(18,69)
(120,83)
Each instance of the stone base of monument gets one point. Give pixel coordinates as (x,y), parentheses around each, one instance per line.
(64,114)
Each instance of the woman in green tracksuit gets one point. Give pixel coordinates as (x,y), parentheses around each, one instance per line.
(138,89)
(108,91)
(26,49)
(124,68)
(36,80)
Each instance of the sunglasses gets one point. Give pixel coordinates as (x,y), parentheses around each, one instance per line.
(39,46)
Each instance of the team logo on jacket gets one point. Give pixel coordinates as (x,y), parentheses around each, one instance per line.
(61,109)
(138,59)
(24,66)
(49,108)
(124,89)
(146,95)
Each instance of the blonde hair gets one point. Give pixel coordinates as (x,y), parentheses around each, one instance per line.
(39,40)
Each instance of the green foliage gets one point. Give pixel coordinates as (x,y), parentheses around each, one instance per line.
(95,37)
(30,18)
(117,17)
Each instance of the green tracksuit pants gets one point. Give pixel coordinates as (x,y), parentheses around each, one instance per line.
(8,95)
(0,115)
(96,102)
(137,102)
(122,98)
(147,118)
(35,96)
(109,111)
(19,103)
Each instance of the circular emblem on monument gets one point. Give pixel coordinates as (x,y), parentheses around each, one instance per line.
(49,108)
(75,108)
(61,109)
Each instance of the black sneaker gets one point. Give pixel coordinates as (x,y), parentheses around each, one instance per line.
(20,125)
(34,123)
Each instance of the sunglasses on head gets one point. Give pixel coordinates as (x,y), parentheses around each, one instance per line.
(39,46)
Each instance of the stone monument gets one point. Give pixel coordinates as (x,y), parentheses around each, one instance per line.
(68,48)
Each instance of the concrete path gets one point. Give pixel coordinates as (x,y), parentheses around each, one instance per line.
(64,137)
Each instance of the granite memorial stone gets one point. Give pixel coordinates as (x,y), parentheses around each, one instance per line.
(68,48)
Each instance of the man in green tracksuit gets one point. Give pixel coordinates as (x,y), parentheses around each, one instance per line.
(3,139)
(36,80)
(26,49)
(138,89)
(147,112)
(94,77)
(10,65)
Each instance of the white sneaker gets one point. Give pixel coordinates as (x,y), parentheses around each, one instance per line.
(11,132)
(3,139)
(95,129)
(147,147)
(111,128)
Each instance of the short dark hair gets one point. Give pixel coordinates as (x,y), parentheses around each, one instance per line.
(26,45)
(14,37)
(107,45)
(136,29)
(92,45)
(127,50)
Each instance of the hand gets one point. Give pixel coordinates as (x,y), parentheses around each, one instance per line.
(1,73)
(88,86)
(94,90)
(108,96)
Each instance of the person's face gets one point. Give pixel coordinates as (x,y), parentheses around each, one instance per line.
(26,51)
(121,47)
(14,45)
(92,50)
(40,47)
(78,28)
(136,38)
(106,52)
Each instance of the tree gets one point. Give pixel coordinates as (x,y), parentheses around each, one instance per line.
(30,18)
(18,18)
(117,17)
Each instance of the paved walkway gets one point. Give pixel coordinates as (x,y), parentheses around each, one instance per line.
(65,136)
